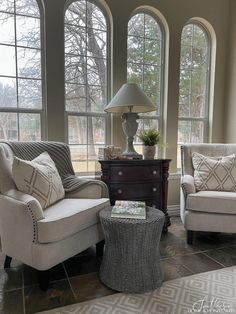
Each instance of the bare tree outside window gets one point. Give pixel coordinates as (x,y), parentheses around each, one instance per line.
(85,81)
(194,85)
(20,70)
(145,65)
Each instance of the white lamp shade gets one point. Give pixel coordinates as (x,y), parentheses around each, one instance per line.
(130,98)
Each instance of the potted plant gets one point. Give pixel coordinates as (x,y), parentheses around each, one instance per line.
(150,138)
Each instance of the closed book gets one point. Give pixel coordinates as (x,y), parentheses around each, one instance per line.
(129,209)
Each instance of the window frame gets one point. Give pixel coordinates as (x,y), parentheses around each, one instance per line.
(206,117)
(17,110)
(158,118)
(85,114)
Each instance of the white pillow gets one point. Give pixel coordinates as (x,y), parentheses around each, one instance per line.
(214,173)
(39,178)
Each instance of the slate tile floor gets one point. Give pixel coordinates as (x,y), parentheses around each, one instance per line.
(76,280)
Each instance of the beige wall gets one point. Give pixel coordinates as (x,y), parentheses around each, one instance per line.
(176,13)
(230,118)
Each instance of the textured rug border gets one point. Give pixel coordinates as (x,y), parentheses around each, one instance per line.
(89,302)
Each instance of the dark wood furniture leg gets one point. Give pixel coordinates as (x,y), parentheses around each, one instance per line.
(190,236)
(7,262)
(44,279)
(100,248)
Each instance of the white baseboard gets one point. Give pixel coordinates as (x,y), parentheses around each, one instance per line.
(174,210)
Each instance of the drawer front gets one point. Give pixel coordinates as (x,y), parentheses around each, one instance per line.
(135,191)
(134,173)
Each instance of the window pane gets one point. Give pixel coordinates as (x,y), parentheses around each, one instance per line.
(27,7)
(75,69)
(96,71)
(97,98)
(152,53)
(75,40)
(151,77)
(199,37)
(7,5)
(186,57)
(8,96)
(95,17)
(86,81)
(77,129)
(8,126)
(30,93)
(187,35)
(135,51)
(79,157)
(16,30)
(30,129)
(136,25)
(29,63)
(7,61)
(198,81)
(194,76)
(185,83)
(190,132)
(98,131)
(75,97)
(28,32)
(135,73)
(7,29)
(154,95)
(144,65)
(76,13)
(97,43)
(152,29)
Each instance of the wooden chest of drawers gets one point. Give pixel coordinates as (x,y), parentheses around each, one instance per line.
(144,180)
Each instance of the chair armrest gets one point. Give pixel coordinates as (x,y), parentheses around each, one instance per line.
(187,185)
(76,187)
(19,213)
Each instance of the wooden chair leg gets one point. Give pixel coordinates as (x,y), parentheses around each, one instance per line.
(43,279)
(190,236)
(100,248)
(7,262)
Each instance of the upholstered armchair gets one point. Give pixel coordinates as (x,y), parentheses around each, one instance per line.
(209,210)
(43,238)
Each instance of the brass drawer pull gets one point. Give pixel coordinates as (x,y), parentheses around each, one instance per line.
(119,191)
(154,189)
(120,173)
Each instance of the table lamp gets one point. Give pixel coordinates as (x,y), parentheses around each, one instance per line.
(130,100)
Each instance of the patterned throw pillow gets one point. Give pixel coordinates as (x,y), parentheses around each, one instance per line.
(214,173)
(39,178)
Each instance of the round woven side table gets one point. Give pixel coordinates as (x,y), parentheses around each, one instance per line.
(131,261)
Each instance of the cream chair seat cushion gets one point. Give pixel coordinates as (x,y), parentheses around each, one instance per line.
(212,202)
(68,217)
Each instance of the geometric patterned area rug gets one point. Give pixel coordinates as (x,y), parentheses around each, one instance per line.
(210,292)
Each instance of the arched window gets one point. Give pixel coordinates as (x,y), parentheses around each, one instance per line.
(145,64)
(194,85)
(86,81)
(21,104)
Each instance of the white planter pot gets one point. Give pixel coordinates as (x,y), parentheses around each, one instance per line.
(149,152)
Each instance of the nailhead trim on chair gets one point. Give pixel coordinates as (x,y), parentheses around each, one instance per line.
(34,222)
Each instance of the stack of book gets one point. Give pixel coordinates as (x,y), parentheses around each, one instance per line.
(129,209)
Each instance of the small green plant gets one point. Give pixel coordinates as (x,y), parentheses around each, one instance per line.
(150,137)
